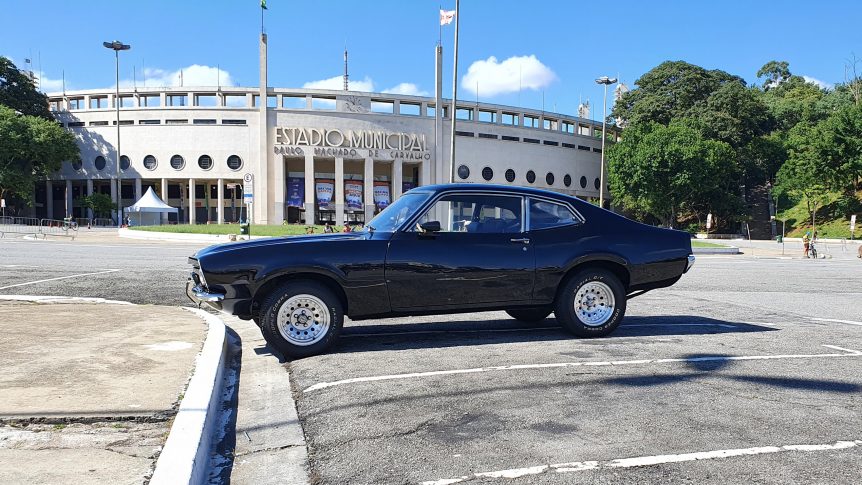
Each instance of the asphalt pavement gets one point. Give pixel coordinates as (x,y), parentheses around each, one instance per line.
(747,370)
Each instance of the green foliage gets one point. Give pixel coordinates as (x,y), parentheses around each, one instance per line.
(805,175)
(18,92)
(775,72)
(101,204)
(663,170)
(671,90)
(30,149)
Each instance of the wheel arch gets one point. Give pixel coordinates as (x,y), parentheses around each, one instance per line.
(275,282)
(615,267)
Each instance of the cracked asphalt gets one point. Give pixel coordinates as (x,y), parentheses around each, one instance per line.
(733,357)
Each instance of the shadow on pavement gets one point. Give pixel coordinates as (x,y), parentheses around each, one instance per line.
(401,336)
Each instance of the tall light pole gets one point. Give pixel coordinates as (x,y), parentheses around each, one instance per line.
(118,46)
(606,81)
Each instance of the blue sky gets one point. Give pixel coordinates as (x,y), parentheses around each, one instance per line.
(558,47)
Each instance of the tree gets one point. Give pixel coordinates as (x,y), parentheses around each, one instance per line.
(843,147)
(776,72)
(671,90)
(100,204)
(662,170)
(804,175)
(31,148)
(18,92)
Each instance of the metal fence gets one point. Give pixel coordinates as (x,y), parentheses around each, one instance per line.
(38,227)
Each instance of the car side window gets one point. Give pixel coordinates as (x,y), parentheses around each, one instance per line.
(544,215)
(476,213)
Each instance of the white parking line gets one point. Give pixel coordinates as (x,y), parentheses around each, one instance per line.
(59,278)
(717,358)
(645,461)
(835,320)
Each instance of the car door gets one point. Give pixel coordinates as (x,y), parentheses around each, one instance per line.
(479,257)
(555,231)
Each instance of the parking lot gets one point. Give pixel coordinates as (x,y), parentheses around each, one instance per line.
(748,370)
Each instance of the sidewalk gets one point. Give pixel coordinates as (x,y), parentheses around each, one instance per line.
(89,389)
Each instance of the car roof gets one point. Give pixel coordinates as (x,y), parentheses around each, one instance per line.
(514,189)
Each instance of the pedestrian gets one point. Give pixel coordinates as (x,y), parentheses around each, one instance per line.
(327,229)
(346,228)
(806,240)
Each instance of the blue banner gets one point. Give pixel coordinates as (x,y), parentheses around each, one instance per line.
(296,192)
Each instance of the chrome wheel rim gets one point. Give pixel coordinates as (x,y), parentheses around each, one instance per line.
(594,303)
(303,320)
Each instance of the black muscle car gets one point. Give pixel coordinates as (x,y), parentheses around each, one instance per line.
(445,249)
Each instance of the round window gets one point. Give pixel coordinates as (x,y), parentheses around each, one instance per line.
(597,184)
(178,162)
(234,162)
(487,173)
(510,175)
(150,162)
(77,165)
(463,172)
(531,176)
(125,163)
(99,163)
(549,179)
(567,180)
(583,182)
(205,162)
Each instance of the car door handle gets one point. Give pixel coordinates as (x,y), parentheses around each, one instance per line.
(523,240)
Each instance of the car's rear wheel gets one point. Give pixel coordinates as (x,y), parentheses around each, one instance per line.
(301,318)
(591,304)
(530,315)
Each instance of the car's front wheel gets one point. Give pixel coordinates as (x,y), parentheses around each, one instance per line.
(301,318)
(529,315)
(591,304)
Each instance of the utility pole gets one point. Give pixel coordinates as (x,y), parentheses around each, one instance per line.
(605,81)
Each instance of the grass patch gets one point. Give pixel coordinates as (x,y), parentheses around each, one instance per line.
(224,229)
(703,244)
(833,219)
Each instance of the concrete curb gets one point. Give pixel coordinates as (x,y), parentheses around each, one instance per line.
(185,456)
(174,236)
(727,250)
(62,299)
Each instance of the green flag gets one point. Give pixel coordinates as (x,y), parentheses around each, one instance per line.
(263,4)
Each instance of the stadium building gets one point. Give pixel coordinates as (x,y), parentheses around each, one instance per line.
(310,155)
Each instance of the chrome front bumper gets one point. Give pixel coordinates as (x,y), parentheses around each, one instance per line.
(690,263)
(205,296)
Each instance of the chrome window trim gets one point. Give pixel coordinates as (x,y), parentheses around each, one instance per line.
(410,224)
(579,218)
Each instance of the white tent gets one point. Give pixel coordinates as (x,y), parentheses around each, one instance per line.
(149,209)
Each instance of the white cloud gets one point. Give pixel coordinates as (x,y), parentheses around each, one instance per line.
(518,72)
(409,89)
(49,85)
(819,83)
(337,84)
(194,75)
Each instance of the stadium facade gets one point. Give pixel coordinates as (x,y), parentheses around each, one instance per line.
(312,155)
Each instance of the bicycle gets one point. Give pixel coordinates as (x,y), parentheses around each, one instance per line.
(812,251)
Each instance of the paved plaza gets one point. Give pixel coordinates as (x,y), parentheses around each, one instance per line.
(748,370)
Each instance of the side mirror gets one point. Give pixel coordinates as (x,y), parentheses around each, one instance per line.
(429,227)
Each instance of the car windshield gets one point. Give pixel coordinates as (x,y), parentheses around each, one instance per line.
(398,212)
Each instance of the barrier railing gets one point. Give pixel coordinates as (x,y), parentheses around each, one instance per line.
(58,227)
(38,227)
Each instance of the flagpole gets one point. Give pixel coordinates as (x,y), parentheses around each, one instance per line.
(454,110)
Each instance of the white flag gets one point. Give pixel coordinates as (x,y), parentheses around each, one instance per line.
(446,16)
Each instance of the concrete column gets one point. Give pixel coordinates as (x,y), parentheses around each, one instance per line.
(69,201)
(192,215)
(89,192)
(220,206)
(397,177)
(114,191)
(165,199)
(339,191)
(279,187)
(369,188)
(424,173)
(138,189)
(310,192)
(432,173)
(263,198)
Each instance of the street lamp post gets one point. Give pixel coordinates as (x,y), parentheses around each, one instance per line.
(606,81)
(118,46)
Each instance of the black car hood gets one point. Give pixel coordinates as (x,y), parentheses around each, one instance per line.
(269,241)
